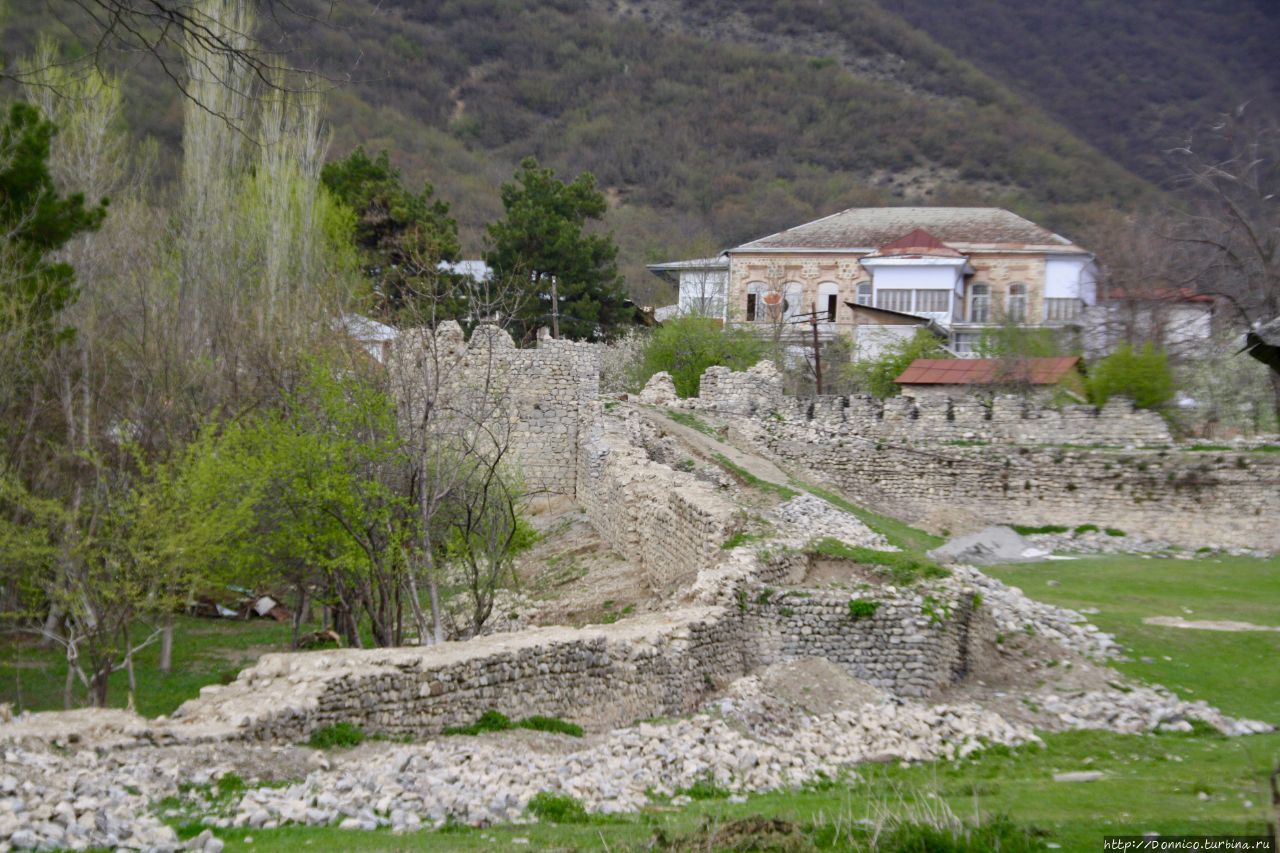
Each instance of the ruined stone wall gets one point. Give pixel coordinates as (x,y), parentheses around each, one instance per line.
(535,399)
(912,645)
(918,463)
(667,521)
(609,675)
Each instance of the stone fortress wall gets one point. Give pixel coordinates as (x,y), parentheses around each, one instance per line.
(958,464)
(724,623)
(737,609)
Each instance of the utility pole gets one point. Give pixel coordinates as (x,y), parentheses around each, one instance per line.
(555,309)
(817,352)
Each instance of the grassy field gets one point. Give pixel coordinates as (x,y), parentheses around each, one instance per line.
(205,651)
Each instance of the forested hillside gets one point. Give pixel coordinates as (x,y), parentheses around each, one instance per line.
(708,123)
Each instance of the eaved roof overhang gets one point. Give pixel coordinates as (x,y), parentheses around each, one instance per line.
(928,323)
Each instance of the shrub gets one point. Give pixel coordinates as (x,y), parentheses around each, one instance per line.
(496,721)
(686,346)
(1114,531)
(902,567)
(540,723)
(1142,375)
(861,608)
(1087,528)
(337,735)
(705,788)
(557,808)
(1024,530)
(877,377)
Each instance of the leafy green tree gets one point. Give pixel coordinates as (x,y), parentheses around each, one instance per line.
(402,235)
(573,281)
(687,346)
(1143,375)
(876,377)
(35,221)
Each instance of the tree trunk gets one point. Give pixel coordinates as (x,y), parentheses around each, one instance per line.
(166,644)
(51,626)
(98,686)
(437,622)
(299,614)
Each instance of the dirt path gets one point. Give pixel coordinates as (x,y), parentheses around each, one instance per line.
(709,448)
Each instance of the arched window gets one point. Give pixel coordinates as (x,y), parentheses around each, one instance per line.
(864,293)
(755,308)
(792,301)
(1017,307)
(979,303)
(828,301)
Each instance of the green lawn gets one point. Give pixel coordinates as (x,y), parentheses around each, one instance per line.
(1238,672)
(205,651)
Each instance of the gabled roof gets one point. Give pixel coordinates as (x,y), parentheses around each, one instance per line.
(960,228)
(986,371)
(919,242)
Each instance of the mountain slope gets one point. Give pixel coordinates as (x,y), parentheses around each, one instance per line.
(707,123)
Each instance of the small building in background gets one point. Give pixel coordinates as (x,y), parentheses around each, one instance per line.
(376,338)
(1176,320)
(955,377)
(701,284)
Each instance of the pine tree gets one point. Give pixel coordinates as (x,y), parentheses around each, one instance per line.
(573,281)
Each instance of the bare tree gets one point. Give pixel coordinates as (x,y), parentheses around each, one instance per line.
(1231,227)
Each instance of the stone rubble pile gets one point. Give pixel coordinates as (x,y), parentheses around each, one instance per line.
(1100,542)
(808,517)
(1143,709)
(77,801)
(481,781)
(1015,612)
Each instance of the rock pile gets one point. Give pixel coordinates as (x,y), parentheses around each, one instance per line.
(1013,611)
(1143,709)
(807,517)
(485,780)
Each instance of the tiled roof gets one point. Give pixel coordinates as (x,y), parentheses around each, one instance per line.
(918,242)
(958,227)
(984,371)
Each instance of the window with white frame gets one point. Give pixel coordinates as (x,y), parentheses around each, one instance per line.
(864,293)
(894,300)
(1061,310)
(932,301)
(965,343)
(1016,306)
(979,303)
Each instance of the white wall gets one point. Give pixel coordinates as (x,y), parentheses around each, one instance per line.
(918,278)
(696,284)
(1070,277)
(869,342)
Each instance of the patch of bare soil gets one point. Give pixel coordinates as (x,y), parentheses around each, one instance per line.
(753,833)
(816,686)
(571,576)
(822,572)
(1206,624)
(1005,673)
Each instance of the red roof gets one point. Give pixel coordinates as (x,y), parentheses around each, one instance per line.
(985,371)
(918,242)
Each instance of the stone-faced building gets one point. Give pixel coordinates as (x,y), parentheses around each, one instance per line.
(957,270)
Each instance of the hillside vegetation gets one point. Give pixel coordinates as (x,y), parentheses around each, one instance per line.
(708,123)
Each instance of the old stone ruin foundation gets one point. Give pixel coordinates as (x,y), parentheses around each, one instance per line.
(744,604)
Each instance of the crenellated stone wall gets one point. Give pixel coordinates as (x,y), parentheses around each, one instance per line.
(919,463)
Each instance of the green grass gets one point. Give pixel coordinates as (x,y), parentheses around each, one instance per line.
(337,735)
(1221,667)
(1024,530)
(205,651)
(739,538)
(898,533)
(693,422)
(903,567)
(749,479)
(494,721)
